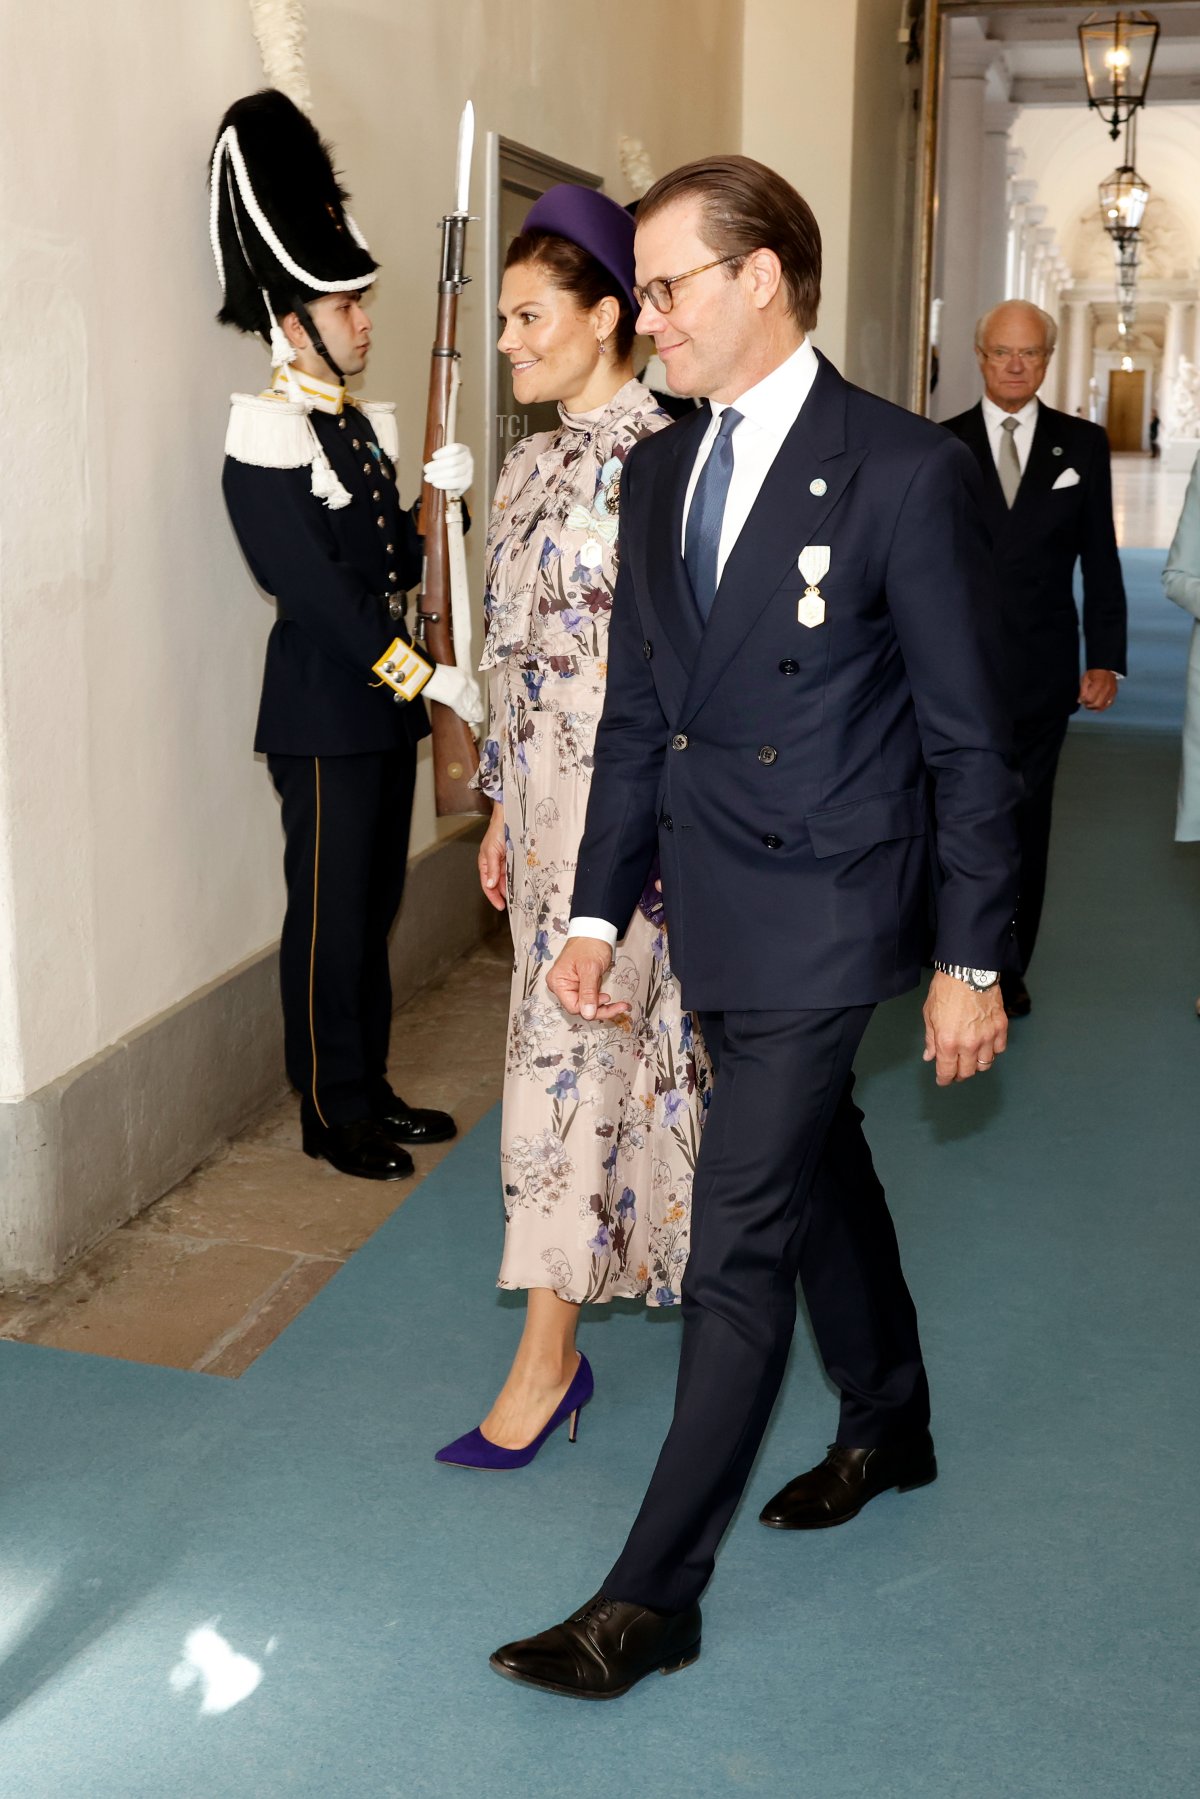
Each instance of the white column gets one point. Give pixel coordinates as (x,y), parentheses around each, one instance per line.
(1043,265)
(961,224)
(1189,312)
(1025,277)
(1172,350)
(998,116)
(1023,195)
(1081,331)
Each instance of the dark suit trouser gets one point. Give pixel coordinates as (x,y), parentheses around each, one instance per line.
(1039,745)
(345,823)
(784,1187)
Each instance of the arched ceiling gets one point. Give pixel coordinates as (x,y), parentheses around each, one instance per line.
(1068,153)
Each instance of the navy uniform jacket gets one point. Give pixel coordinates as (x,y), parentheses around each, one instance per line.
(1036,546)
(329,572)
(802,785)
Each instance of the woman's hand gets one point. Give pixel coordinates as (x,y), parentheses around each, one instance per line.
(493,860)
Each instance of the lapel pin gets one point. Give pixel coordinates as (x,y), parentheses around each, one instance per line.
(818,487)
(813,563)
(1057,450)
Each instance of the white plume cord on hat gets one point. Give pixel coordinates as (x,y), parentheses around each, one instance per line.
(227,144)
(280,28)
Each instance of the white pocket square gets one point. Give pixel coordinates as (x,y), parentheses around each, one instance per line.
(1068,478)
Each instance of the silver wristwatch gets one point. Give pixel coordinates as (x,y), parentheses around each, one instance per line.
(977,979)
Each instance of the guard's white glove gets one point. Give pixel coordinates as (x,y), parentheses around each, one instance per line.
(450,687)
(451,470)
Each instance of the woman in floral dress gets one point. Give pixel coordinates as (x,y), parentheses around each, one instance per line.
(601,1120)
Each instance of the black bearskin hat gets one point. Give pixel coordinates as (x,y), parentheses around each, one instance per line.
(278,215)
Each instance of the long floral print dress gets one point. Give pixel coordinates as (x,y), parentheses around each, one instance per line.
(601,1120)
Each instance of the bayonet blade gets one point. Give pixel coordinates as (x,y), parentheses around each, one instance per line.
(466,144)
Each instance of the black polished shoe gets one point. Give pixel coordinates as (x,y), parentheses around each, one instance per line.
(838,1490)
(1015,995)
(361,1148)
(413,1124)
(603,1650)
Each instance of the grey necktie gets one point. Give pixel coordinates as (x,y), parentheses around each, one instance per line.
(1009,467)
(702,536)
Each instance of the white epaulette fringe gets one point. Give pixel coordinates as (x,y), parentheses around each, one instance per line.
(382,416)
(267,432)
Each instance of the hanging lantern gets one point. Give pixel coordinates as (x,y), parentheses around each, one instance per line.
(1127,255)
(1118,52)
(1123,200)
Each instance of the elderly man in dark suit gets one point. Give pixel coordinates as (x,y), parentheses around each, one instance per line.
(1048,503)
(803,718)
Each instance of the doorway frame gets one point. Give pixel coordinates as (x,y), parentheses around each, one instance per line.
(935,15)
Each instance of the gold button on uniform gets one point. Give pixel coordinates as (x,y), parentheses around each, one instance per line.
(374,493)
(380,521)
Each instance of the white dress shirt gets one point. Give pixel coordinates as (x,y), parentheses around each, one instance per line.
(769,409)
(994,417)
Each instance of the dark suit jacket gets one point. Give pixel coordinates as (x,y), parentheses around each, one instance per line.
(329,572)
(796,780)
(1036,547)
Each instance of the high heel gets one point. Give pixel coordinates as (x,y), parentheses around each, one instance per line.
(475,1451)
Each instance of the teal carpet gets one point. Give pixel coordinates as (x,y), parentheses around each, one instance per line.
(1151,699)
(1025,1627)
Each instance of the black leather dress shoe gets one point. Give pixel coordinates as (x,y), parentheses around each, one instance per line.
(1015,995)
(413,1124)
(603,1650)
(838,1490)
(362,1148)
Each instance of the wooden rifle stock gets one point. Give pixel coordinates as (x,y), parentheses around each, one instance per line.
(455,753)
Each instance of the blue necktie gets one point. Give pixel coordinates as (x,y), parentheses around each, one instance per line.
(702,536)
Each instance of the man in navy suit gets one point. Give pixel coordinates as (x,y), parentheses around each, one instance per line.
(805,723)
(1047,488)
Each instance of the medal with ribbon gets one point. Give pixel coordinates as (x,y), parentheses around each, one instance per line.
(813,563)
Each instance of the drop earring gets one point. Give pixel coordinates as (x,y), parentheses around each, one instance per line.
(602,344)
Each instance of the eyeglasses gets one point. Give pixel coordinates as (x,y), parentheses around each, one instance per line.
(657,293)
(1028,357)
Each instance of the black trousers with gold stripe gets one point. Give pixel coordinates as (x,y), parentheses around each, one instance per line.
(345,822)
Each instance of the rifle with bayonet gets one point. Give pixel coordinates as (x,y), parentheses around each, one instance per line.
(443,615)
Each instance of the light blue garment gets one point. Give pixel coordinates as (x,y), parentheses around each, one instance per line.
(1181,578)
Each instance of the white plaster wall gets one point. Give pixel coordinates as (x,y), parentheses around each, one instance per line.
(825,101)
(139,846)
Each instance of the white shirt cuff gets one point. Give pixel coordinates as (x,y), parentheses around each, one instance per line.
(593,927)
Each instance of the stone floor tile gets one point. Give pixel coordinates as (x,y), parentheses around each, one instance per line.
(275,1198)
(208,1276)
(259,1330)
(146,1298)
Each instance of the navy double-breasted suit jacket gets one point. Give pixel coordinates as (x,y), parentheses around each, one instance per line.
(1036,546)
(809,789)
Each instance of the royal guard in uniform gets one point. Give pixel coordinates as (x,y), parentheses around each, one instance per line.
(311,488)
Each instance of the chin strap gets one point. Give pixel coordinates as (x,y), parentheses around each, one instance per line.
(315,339)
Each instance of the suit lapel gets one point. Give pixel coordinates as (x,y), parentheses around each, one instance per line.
(1046,460)
(975,436)
(670,590)
(785,517)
